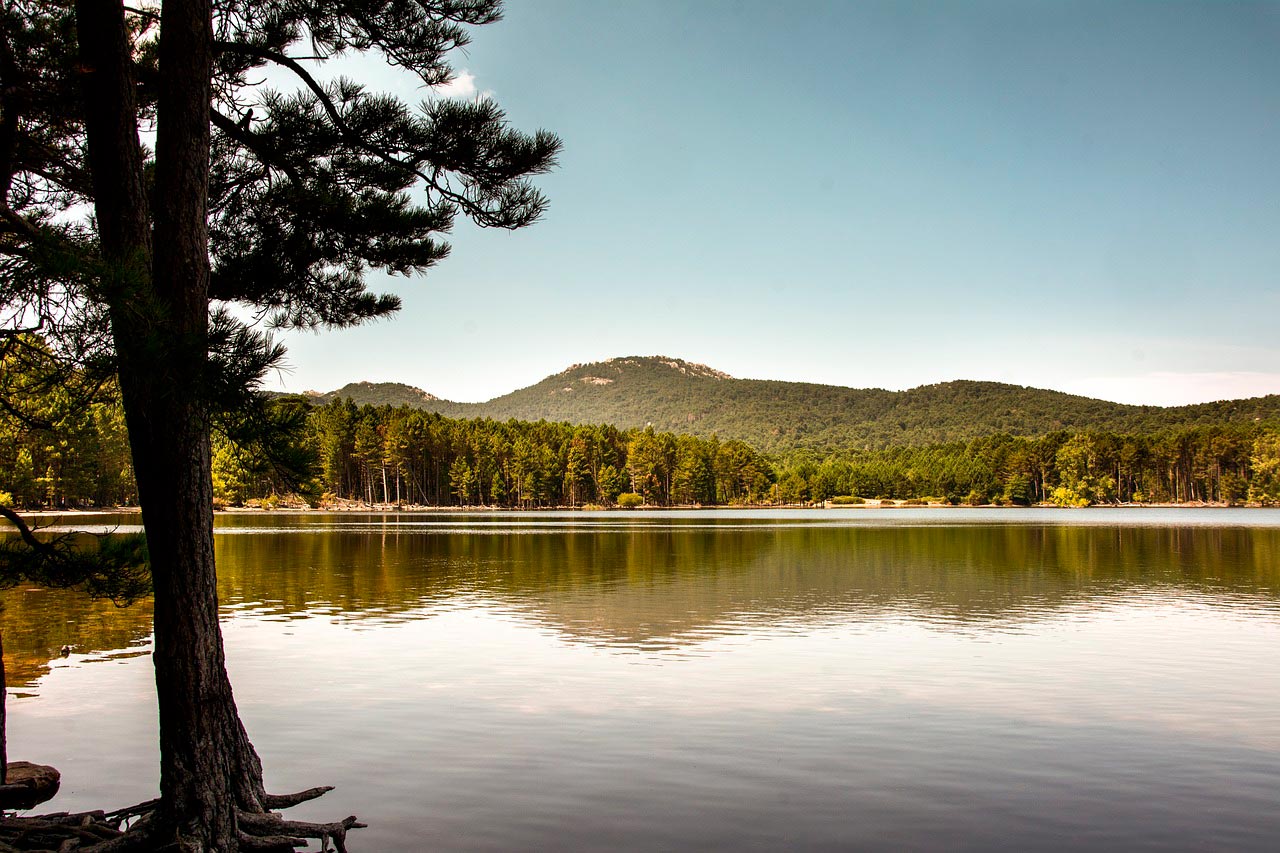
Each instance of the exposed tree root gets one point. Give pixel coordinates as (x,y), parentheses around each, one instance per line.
(284,801)
(273,826)
(133,828)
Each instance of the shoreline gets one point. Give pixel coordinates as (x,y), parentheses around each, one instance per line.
(410,509)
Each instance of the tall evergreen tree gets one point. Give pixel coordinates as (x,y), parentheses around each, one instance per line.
(279,201)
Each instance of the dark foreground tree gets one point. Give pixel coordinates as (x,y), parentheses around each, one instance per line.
(279,201)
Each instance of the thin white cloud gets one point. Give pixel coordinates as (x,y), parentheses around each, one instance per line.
(463,85)
(1169,388)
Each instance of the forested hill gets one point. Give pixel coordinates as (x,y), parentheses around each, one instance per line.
(672,394)
(381,394)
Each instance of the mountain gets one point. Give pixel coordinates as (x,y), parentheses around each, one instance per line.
(673,394)
(378,394)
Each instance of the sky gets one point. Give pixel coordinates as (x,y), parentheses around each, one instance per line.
(1082,196)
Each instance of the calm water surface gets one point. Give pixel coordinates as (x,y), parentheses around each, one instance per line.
(923,679)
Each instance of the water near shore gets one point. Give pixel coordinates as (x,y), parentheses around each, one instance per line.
(1022,679)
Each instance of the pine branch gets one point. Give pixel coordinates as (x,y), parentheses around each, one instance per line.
(28,536)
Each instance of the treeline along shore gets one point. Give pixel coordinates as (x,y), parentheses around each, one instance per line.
(381,455)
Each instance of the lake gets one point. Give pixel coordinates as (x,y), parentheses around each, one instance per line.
(719,680)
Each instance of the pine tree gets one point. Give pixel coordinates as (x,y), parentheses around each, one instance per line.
(279,202)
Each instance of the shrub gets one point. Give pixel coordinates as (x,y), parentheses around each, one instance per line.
(629,500)
(1063,496)
(915,502)
(847,500)
(888,502)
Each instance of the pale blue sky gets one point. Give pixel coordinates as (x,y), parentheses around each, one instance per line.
(1074,195)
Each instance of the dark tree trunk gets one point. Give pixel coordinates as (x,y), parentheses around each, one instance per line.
(171,448)
(4,721)
(159,313)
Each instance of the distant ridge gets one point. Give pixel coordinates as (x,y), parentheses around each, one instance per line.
(378,394)
(619,364)
(679,395)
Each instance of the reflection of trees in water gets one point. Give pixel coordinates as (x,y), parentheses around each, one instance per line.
(661,586)
(38,622)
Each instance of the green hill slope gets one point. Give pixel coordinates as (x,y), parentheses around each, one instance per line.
(672,394)
(380,394)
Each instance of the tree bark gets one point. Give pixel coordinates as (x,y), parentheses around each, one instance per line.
(4,721)
(158,306)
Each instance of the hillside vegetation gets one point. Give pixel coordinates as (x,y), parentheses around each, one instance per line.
(776,417)
(379,394)
(68,453)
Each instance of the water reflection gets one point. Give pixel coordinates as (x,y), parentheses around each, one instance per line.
(666,584)
(889,680)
